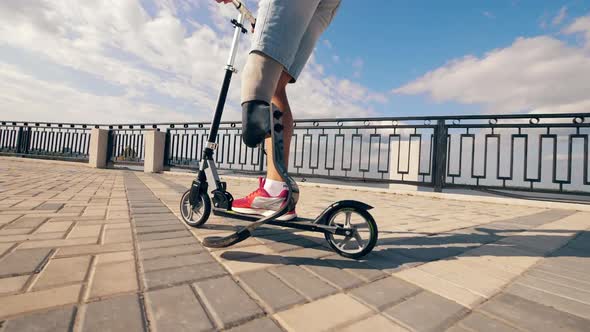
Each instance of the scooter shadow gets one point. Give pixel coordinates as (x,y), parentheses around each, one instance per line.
(404,251)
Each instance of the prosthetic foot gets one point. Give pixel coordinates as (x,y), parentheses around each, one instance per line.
(255,122)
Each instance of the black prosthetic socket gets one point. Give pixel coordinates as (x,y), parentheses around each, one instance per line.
(255,122)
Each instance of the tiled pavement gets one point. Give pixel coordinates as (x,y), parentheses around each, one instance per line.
(102,250)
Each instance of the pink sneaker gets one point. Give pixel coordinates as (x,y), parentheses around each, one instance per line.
(261,203)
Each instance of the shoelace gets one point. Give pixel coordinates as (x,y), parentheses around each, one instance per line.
(254,193)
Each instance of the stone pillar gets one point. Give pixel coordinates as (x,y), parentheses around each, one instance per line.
(155,144)
(408,159)
(99,141)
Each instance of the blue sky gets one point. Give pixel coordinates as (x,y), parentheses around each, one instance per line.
(405,39)
(162,60)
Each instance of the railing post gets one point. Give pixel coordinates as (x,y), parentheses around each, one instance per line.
(261,157)
(110,146)
(19,139)
(26,145)
(439,158)
(167,148)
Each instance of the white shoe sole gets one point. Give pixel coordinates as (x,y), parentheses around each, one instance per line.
(266,213)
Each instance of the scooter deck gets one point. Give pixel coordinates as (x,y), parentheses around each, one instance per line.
(307,224)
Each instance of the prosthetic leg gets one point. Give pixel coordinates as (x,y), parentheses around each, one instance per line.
(276,132)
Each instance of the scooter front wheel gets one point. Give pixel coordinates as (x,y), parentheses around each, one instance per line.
(364,235)
(198,214)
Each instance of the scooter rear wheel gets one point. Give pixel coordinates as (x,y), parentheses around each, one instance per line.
(197,215)
(364,238)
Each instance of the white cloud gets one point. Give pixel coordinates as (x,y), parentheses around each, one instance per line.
(489,14)
(582,26)
(357,65)
(533,74)
(165,54)
(561,15)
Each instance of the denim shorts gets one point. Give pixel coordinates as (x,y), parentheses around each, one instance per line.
(287,30)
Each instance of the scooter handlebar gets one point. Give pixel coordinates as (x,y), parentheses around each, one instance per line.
(244,11)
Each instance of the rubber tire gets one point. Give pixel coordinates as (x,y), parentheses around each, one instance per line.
(373,231)
(206,210)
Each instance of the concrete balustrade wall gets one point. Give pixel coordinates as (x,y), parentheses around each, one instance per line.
(99,146)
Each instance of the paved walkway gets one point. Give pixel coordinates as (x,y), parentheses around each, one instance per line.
(102,250)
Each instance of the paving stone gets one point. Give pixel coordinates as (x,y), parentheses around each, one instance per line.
(468,277)
(63,271)
(359,269)
(581,242)
(249,259)
(262,324)
(303,281)
(323,314)
(85,231)
(113,257)
(117,235)
(335,276)
(15,231)
(113,278)
(23,261)
(183,274)
(56,320)
(559,279)
(50,206)
(539,317)
(93,249)
(479,322)
(162,235)
(458,328)
(306,255)
(12,284)
(22,303)
(171,251)
(155,223)
(27,222)
(162,228)
(274,294)
(149,210)
(58,243)
(426,312)
(121,313)
(227,303)
(539,242)
(561,298)
(390,261)
(292,244)
(49,227)
(167,242)
(176,261)
(4,248)
(540,218)
(376,323)
(385,292)
(146,218)
(177,309)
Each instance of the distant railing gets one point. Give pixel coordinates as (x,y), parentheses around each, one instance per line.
(532,152)
(45,140)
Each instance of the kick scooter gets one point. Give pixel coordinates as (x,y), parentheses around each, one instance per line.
(347,225)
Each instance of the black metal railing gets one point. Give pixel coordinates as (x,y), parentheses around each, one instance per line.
(532,152)
(45,140)
(126,144)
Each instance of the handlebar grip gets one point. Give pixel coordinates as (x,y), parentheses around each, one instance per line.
(244,11)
